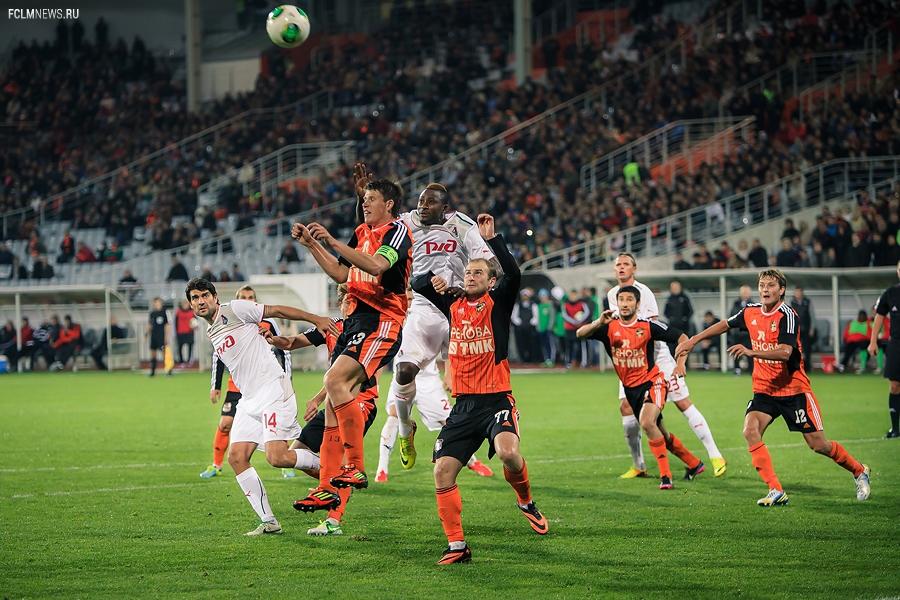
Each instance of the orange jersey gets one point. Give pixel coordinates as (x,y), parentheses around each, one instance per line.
(366,398)
(479,330)
(476,368)
(768,330)
(630,345)
(385,293)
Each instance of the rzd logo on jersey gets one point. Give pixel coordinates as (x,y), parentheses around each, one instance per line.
(449,247)
(228,343)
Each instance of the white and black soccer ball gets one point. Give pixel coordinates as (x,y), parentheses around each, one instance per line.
(287,26)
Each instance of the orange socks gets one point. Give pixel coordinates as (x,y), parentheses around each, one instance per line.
(351,423)
(843,458)
(658,448)
(338,513)
(450,511)
(763,463)
(220,445)
(519,482)
(675,446)
(330,454)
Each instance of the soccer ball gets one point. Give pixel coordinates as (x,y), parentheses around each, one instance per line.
(287,26)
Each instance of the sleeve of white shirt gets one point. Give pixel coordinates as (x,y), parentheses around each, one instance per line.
(648,304)
(611,297)
(475,245)
(246,311)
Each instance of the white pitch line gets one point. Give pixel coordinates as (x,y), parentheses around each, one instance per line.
(744,448)
(91,468)
(125,489)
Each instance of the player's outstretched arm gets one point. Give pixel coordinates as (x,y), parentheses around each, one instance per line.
(329,263)
(424,284)
(586,331)
(375,264)
(323,324)
(685,347)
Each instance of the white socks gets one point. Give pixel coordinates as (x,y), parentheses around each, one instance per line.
(255,492)
(306,459)
(403,396)
(633,438)
(472,461)
(699,426)
(388,438)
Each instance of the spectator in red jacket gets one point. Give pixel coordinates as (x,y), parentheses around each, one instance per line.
(27,350)
(67,344)
(85,254)
(66,249)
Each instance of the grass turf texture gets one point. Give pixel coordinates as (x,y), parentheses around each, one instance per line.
(101,497)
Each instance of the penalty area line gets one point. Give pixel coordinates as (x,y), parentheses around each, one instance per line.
(91,468)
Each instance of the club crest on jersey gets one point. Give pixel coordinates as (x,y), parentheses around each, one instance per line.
(480,306)
(773,326)
(639,333)
(224,320)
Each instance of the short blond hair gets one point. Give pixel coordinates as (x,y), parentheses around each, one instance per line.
(775,274)
(244,288)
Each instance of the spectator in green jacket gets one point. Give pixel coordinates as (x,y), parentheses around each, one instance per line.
(546,321)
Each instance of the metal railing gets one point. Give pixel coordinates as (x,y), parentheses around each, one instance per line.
(283,165)
(857,78)
(50,207)
(695,153)
(794,77)
(657,147)
(810,187)
(599,19)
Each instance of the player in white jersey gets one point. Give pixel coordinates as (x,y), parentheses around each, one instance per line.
(444,242)
(267,413)
(434,408)
(624,269)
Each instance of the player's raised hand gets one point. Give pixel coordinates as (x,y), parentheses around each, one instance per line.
(439,284)
(325,325)
(361,179)
(214,395)
(606,317)
(486,226)
(320,234)
(300,233)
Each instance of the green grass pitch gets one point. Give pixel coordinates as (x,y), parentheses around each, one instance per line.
(101,498)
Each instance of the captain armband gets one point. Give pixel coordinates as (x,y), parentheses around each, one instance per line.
(389,253)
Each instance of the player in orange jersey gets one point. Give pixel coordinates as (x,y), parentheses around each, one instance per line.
(780,385)
(312,436)
(479,361)
(629,342)
(375,265)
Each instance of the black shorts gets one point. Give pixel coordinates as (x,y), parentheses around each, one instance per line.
(892,361)
(474,419)
(651,392)
(229,407)
(157,342)
(312,433)
(371,339)
(801,411)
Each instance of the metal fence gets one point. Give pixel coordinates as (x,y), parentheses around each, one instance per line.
(810,187)
(283,165)
(658,147)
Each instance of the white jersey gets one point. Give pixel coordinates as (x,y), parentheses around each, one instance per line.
(235,337)
(444,249)
(648,309)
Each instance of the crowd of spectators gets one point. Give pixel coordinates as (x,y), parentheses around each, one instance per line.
(425,115)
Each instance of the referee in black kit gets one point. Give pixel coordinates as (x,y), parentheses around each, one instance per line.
(889,306)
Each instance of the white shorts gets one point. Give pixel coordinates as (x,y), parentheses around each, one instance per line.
(431,399)
(425,333)
(678,389)
(276,421)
